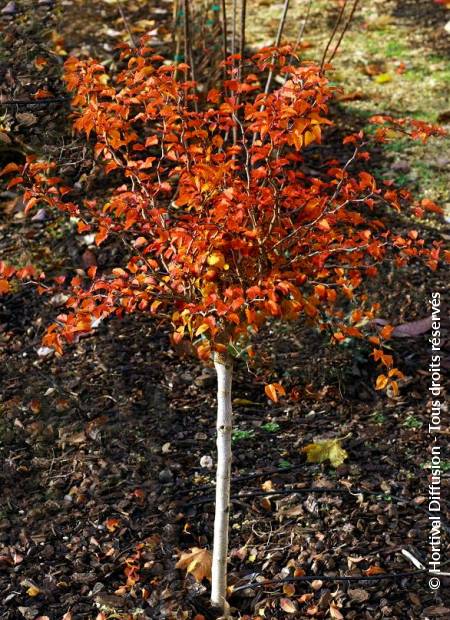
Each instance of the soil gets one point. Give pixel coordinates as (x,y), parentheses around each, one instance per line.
(103,477)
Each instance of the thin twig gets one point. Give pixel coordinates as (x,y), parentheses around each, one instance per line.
(188,55)
(242,37)
(333,34)
(277,42)
(25,102)
(224,37)
(344,30)
(301,32)
(275,582)
(127,25)
(234,28)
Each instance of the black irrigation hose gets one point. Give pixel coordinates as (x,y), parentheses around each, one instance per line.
(25,102)
(274,470)
(340,490)
(345,578)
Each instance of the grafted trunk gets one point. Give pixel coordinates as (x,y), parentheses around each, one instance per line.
(224,369)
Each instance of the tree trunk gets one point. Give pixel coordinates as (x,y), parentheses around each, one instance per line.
(224,369)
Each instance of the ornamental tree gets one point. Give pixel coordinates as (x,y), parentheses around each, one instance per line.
(222,227)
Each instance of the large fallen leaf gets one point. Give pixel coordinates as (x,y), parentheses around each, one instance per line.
(197,562)
(328,450)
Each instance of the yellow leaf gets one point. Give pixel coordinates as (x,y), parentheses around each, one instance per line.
(202,329)
(267,485)
(383,78)
(197,562)
(308,138)
(33,591)
(216,259)
(155,305)
(394,388)
(328,450)
(382,382)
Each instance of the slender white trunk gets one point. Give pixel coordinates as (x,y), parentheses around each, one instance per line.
(224,370)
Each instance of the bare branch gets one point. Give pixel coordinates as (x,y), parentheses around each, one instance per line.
(333,34)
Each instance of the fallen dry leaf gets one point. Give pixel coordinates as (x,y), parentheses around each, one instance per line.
(328,450)
(112,524)
(359,595)
(374,570)
(289,589)
(335,613)
(288,606)
(272,391)
(197,562)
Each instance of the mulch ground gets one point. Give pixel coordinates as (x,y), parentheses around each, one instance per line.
(102,475)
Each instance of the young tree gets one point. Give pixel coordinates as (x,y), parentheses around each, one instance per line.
(222,227)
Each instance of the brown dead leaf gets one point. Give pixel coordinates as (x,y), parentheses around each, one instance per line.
(288,606)
(335,613)
(26,118)
(289,589)
(266,504)
(76,438)
(267,485)
(197,562)
(438,611)
(356,95)
(4,138)
(359,595)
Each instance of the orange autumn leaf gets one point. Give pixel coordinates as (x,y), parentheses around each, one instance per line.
(221,236)
(197,562)
(4,286)
(382,382)
(386,332)
(112,524)
(374,570)
(273,390)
